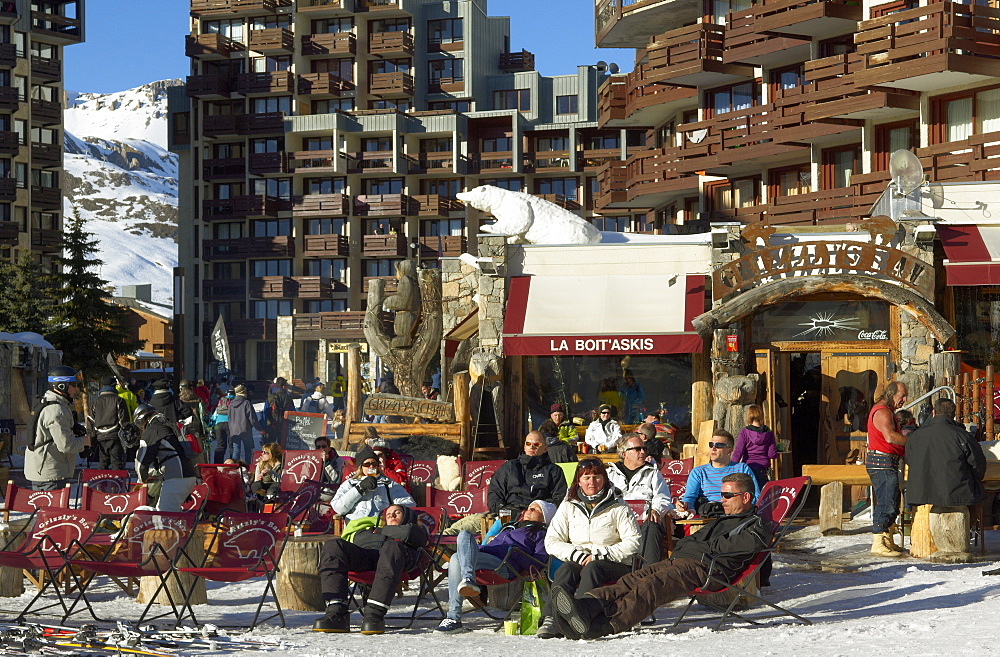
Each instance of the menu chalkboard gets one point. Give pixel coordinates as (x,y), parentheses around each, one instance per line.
(302,429)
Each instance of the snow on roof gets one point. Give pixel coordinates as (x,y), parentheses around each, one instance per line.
(28,338)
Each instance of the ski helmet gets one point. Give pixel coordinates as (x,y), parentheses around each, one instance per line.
(61,377)
(142,415)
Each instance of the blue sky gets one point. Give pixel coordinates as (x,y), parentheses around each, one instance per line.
(131,42)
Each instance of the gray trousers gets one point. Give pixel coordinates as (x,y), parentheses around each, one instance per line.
(173,492)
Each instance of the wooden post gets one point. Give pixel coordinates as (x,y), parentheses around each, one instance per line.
(831,508)
(705,431)
(988,404)
(11,579)
(949,527)
(965,398)
(352,412)
(921,541)
(297,582)
(944,365)
(701,385)
(512,411)
(463,413)
(977,408)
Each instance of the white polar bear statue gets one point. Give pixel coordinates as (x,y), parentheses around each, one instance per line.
(528,219)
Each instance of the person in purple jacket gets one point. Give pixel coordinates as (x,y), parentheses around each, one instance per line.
(527,535)
(755,445)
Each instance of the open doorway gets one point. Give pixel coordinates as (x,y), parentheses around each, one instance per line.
(805,387)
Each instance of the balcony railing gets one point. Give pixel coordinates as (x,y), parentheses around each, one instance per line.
(338,326)
(8,58)
(267,123)
(265,163)
(45,112)
(10,98)
(319,8)
(655,175)
(211,46)
(202,86)
(390,43)
(46,155)
(922,49)
(46,197)
(327,44)
(8,12)
(54,26)
(564,202)
(248,247)
(321,205)
(241,330)
(517,62)
(692,56)
(548,161)
(10,142)
(265,83)
(435,205)
(223,168)
(612,184)
(379,5)
(496,162)
(272,40)
(439,162)
(746,43)
(391,85)
(319,287)
(384,205)
(314,160)
(240,207)
(46,239)
(374,161)
(8,189)
(630,100)
(223,290)
(322,84)
(445,85)
(9,232)
(224,124)
(43,69)
(442,246)
(594,159)
(273,287)
(238,7)
(817,18)
(390,284)
(383,246)
(325,246)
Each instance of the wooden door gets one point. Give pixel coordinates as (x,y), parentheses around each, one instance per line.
(772,365)
(851,382)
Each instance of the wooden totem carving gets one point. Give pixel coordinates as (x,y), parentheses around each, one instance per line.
(417,324)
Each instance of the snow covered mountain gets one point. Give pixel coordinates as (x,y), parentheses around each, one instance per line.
(122,180)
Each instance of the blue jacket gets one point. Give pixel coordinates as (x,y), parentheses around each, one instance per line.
(526,536)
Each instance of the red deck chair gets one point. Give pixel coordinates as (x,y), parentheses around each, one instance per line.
(54,536)
(477,474)
(107,481)
(299,465)
(506,574)
(115,505)
(148,545)
(25,500)
(423,571)
(196,498)
(245,545)
(458,503)
(676,491)
(779,504)
(421,472)
(298,504)
(226,487)
(676,467)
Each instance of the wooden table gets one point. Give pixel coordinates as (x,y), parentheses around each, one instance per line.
(297,582)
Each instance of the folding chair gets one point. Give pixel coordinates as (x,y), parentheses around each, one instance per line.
(536,570)
(299,465)
(114,505)
(107,481)
(299,503)
(244,546)
(779,504)
(421,572)
(226,487)
(25,500)
(196,498)
(456,504)
(676,467)
(148,545)
(54,536)
(478,474)
(421,472)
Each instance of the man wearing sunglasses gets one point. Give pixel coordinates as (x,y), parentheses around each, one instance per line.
(732,540)
(638,479)
(531,476)
(704,484)
(55,439)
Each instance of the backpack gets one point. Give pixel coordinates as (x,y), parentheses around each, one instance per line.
(310,405)
(36,412)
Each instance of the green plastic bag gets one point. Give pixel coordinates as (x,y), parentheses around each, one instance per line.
(531,606)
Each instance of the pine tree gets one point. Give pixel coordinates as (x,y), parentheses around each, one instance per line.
(24,296)
(86,325)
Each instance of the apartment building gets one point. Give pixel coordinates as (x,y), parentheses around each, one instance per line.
(32,37)
(321,141)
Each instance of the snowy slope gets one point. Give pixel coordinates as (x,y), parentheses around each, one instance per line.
(122,180)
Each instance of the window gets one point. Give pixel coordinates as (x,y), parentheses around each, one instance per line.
(447,187)
(272,268)
(341,68)
(223,191)
(325,227)
(890,138)
(231,271)
(734,98)
(390,25)
(228,230)
(38,48)
(960,117)
(42,92)
(333,268)
(44,136)
(384,186)
(333,105)
(496,145)
(790,181)
(441,227)
(277,187)
(376,144)
(21,174)
(380,267)
(841,45)
(556,143)
(398,105)
(438,145)
(510,184)
(44,178)
(230,28)
(390,66)
(613,224)
(785,78)
(566,104)
(271,104)
(271,308)
(227,151)
(839,164)
(270,22)
(393,226)
(229,310)
(445,30)
(729,195)
(519,99)
(333,25)
(445,71)
(564,187)
(326,306)
(272,228)
(721,9)
(324,186)
(267,145)
(603,142)
(270,64)
(454,105)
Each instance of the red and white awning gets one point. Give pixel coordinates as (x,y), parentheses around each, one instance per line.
(973,253)
(603,314)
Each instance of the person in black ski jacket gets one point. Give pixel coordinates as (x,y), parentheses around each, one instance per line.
(166,404)
(531,476)
(109,416)
(164,458)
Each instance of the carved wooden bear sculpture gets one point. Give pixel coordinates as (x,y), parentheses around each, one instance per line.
(406,304)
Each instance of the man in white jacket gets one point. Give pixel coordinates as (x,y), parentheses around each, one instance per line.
(639,480)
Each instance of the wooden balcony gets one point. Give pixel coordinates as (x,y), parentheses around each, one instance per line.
(323,85)
(240,207)
(384,246)
(325,246)
(383,205)
(496,162)
(390,44)
(831,91)
(241,330)
(435,205)
(248,247)
(379,5)
(211,46)
(813,18)
(272,40)
(224,124)
(226,168)
(273,287)
(594,159)
(563,202)
(10,232)
(692,56)
(433,163)
(746,43)
(209,86)
(517,62)
(43,69)
(271,82)
(321,206)
(931,47)
(46,197)
(825,207)
(391,85)
(62,29)
(329,44)
(45,112)
(446,85)
(612,183)
(975,158)
(547,161)
(319,287)
(46,240)
(8,59)
(325,8)
(264,163)
(374,161)
(391,284)
(236,7)
(223,290)
(630,23)
(442,246)
(653,178)
(10,142)
(46,155)
(629,100)
(336,326)
(266,123)
(10,99)
(8,189)
(315,161)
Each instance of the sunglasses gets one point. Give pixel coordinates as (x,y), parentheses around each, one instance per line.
(728,495)
(718,445)
(605,412)
(588,462)
(321,446)
(531,444)
(369,464)
(640,448)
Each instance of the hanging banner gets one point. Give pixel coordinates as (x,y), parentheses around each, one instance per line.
(220,344)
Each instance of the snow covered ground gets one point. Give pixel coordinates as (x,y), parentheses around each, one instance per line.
(859,605)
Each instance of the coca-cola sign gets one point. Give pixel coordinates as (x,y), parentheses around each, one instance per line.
(879,334)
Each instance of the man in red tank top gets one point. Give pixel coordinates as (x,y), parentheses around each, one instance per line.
(885,447)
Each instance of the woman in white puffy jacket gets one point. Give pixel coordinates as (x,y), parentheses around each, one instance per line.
(604,432)
(593,533)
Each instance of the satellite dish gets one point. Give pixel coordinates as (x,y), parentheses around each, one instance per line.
(906,171)
(601,66)
(613,68)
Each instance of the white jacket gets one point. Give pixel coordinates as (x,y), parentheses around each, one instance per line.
(598,436)
(352,503)
(609,531)
(646,484)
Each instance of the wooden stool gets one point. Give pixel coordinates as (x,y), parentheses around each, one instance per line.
(297,582)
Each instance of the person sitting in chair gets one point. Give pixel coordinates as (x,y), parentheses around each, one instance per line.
(734,539)
(389,550)
(368,491)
